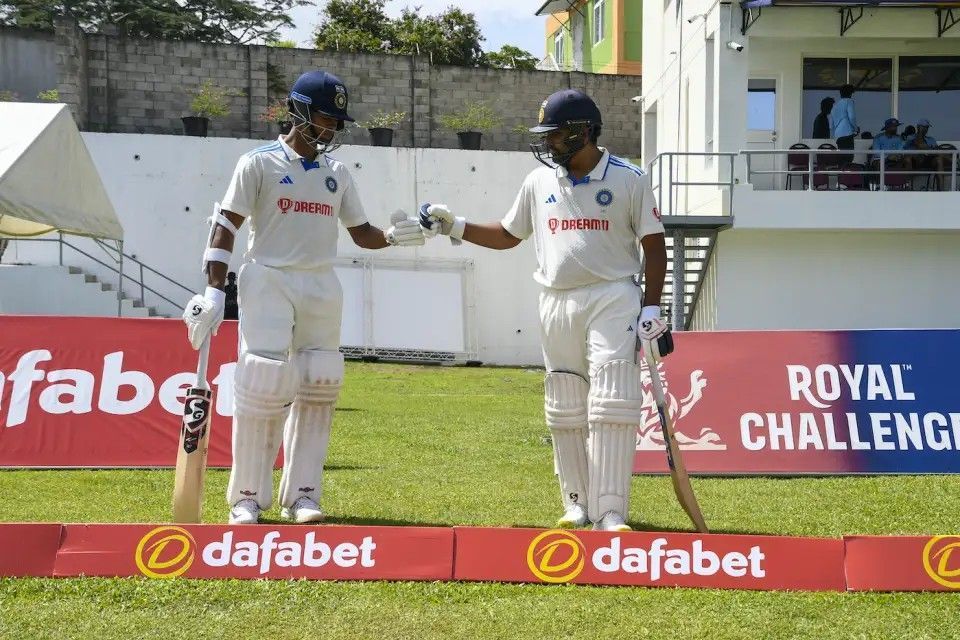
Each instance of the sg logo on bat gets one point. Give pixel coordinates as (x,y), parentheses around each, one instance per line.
(196,409)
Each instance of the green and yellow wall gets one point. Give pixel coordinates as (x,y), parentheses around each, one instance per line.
(619,52)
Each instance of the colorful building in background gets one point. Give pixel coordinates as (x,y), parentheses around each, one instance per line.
(594,36)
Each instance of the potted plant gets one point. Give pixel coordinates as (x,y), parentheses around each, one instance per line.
(470,123)
(279,113)
(49,95)
(210,102)
(381,125)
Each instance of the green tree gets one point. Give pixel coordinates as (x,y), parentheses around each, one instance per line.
(358,26)
(215,21)
(510,57)
(362,26)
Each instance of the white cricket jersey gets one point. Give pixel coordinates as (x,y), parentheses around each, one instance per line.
(293,205)
(585,231)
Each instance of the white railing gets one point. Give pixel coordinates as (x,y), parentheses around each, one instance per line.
(814,174)
(673,163)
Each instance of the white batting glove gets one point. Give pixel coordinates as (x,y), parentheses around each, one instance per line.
(653,333)
(437,218)
(405,232)
(651,326)
(203,315)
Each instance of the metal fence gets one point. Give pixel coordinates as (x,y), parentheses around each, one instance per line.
(831,169)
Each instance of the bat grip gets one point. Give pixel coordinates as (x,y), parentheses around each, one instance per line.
(202,364)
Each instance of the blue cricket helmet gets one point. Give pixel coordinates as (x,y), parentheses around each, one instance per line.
(322,92)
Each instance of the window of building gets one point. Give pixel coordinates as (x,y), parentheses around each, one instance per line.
(873,80)
(558,47)
(598,21)
(924,87)
(929,87)
(761,105)
(822,78)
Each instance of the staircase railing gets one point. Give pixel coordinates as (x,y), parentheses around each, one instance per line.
(142,269)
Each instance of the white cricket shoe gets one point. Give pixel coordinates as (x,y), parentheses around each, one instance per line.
(611,521)
(245,511)
(575,517)
(303,510)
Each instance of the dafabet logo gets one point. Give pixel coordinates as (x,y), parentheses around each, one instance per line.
(941,560)
(556,556)
(165,552)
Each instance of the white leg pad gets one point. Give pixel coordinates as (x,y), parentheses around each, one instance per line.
(307,434)
(565,406)
(263,389)
(615,402)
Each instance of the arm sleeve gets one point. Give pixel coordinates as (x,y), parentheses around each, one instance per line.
(645,214)
(351,209)
(241,195)
(852,116)
(519,220)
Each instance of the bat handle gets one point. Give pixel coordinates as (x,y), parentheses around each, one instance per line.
(202,364)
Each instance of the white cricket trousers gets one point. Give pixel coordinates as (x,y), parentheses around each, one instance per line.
(284,310)
(582,328)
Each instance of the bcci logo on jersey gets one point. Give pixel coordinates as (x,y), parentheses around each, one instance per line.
(287,205)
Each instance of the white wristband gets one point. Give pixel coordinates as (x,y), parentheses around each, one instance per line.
(459,226)
(216,255)
(214,295)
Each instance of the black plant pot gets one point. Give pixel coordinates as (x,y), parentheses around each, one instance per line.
(285,128)
(469,139)
(381,137)
(195,126)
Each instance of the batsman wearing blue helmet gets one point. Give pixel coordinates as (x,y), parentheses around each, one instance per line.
(289,368)
(589,213)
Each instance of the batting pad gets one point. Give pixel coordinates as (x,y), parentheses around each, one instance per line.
(263,390)
(614,415)
(565,407)
(307,433)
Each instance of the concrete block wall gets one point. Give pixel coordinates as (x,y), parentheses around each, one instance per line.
(118,84)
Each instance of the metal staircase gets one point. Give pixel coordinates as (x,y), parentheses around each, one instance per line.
(691,229)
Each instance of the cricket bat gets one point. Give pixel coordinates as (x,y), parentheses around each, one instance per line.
(678,473)
(192,450)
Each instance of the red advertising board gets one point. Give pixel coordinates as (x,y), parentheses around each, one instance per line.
(105,392)
(259,551)
(903,563)
(649,559)
(108,392)
(28,549)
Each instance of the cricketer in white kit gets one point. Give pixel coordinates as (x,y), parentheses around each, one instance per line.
(589,213)
(289,370)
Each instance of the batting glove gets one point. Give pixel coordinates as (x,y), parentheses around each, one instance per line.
(203,315)
(437,218)
(653,332)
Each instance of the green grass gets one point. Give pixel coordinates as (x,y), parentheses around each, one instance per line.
(440,446)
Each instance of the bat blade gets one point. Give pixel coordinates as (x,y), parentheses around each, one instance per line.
(678,472)
(192,456)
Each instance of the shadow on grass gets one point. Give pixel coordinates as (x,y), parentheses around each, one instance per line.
(360,522)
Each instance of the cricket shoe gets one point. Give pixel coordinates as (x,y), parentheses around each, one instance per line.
(575,517)
(303,510)
(611,521)
(245,511)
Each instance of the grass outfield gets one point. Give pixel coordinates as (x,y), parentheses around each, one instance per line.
(442,446)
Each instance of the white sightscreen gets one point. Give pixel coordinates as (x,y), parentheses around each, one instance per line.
(392,307)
